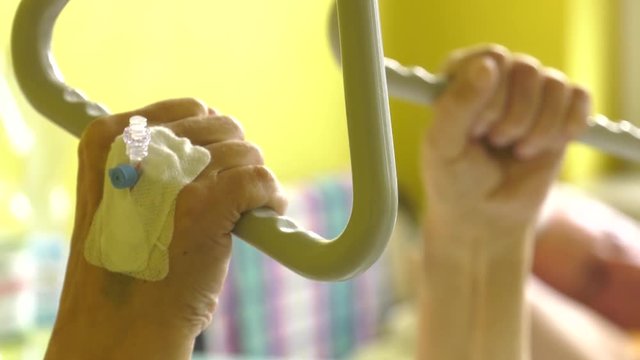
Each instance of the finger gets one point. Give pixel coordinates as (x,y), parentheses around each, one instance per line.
(172,110)
(457,108)
(579,110)
(250,187)
(231,154)
(459,57)
(495,107)
(205,130)
(548,128)
(524,89)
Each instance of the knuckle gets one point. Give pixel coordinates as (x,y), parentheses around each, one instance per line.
(553,74)
(524,70)
(262,174)
(555,82)
(581,94)
(526,61)
(266,178)
(256,153)
(249,151)
(497,49)
(97,127)
(98,134)
(498,52)
(197,105)
(177,127)
(233,124)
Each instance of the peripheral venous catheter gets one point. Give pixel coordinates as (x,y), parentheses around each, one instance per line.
(136,137)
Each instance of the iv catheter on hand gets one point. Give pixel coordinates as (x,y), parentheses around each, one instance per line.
(137,137)
(372,161)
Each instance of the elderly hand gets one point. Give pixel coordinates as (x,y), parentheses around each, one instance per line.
(104,315)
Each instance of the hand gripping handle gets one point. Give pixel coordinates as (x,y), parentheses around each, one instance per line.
(417,85)
(372,160)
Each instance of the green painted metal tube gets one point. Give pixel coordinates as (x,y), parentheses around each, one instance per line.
(372,160)
(36,71)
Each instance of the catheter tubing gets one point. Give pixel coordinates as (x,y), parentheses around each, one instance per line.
(372,160)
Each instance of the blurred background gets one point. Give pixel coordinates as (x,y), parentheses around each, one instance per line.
(268,63)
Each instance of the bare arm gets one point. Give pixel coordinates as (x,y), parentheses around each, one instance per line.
(497,141)
(105,315)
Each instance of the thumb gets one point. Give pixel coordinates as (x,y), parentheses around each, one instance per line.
(470,89)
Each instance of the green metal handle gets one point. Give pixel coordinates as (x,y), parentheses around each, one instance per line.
(372,160)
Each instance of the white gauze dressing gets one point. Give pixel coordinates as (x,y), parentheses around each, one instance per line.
(132,228)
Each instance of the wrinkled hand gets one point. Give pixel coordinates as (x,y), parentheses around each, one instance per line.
(499,134)
(234,181)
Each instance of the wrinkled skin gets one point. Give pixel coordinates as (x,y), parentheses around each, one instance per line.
(121,317)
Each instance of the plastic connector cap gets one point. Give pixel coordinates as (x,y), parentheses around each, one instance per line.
(123,176)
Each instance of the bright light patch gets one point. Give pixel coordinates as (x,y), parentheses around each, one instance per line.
(20,136)
(20,206)
(59,204)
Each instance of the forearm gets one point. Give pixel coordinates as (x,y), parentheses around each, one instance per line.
(503,333)
(102,317)
(472,305)
(76,339)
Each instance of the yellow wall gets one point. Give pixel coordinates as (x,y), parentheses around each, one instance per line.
(266,62)
(592,51)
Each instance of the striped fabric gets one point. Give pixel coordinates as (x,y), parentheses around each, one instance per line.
(267,310)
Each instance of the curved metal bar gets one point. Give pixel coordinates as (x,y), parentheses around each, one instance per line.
(37,73)
(373,168)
